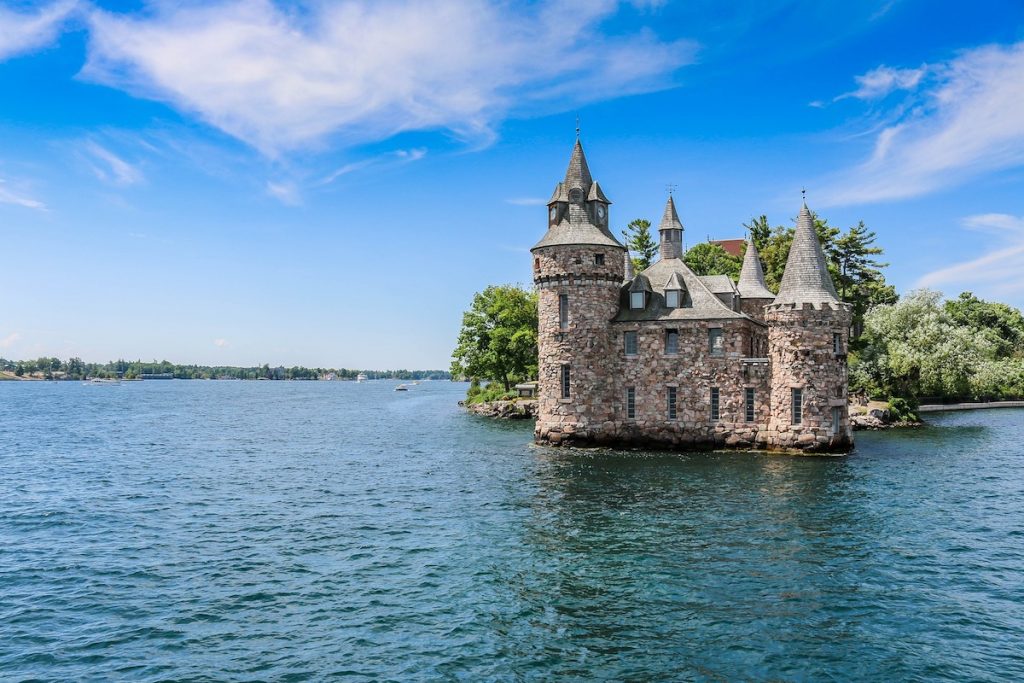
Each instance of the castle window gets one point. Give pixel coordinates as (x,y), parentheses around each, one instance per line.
(716,342)
(637,300)
(671,403)
(565,381)
(598,259)
(671,341)
(837,343)
(536,264)
(630,403)
(630,342)
(837,420)
(673,298)
(749,404)
(715,415)
(798,406)
(563,311)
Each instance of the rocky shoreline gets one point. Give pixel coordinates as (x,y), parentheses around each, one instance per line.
(875,419)
(522,409)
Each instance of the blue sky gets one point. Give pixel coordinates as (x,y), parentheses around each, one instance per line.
(328,183)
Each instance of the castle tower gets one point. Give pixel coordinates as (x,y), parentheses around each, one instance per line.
(808,332)
(754,292)
(578,268)
(671,232)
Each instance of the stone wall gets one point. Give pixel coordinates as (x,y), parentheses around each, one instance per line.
(754,308)
(593,291)
(801,355)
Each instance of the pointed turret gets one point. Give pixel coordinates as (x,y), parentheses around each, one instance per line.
(578,173)
(806,279)
(752,284)
(671,231)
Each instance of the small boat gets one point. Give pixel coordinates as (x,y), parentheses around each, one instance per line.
(102,380)
(361,377)
(401,387)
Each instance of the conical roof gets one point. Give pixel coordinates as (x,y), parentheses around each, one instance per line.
(578,173)
(752,284)
(596,194)
(628,266)
(675,282)
(806,280)
(670,219)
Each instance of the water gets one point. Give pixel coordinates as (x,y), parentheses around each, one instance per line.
(294,531)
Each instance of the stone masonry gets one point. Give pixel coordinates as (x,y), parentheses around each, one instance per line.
(669,359)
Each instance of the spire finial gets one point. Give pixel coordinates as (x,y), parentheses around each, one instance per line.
(577,126)
(671,188)
(803,194)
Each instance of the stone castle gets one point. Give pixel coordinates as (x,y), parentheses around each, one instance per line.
(667,358)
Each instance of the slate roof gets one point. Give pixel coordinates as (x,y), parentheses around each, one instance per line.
(596,194)
(675,282)
(706,306)
(670,219)
(628,269)
(752,284)
(575,226)
(719,284)
(806,279)
(733,246)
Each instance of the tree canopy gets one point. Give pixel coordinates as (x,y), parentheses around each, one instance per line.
(711,259)
(498,340)
(641,243)
(918,347)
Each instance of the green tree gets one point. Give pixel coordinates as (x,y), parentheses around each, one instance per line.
(857,274)
(913,348)
(711,259)
(638,240)
(1002,325)
(759,231)
(498,340)
(19,370)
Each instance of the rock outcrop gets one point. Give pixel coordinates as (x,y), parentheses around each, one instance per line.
(508,410)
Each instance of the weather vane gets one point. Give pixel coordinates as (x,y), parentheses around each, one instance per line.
(671,188)
(803,193)
(577,126)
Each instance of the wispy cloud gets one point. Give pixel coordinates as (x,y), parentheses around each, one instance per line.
(24,32)
(527,201)
(285,192)
(361,71)
(963,120)
(882,81)
(110,167)
(221,343)
(400,156)
(9,195)
(997,271)
(10,340)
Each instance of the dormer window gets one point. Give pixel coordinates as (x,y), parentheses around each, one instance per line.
(673,298)
(637,300)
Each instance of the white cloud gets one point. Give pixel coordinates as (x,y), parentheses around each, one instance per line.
(361,71)
(883,80)
(997,271)
(113,169)
(967,121)
(20,33)
(221,343)
(10,340)
(527,201)
(9,195)
(285,192)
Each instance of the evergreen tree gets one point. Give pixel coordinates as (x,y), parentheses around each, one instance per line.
(639,241)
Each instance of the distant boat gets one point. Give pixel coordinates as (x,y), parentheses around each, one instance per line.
(102,380)
(401,387)
(361,377)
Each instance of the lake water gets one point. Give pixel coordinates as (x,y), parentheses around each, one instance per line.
(299,531)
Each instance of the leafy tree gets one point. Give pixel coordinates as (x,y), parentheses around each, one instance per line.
(711,259)
(498,340)
(1002,325)
(759,231)
(639,241)
(913,348)
(19,371)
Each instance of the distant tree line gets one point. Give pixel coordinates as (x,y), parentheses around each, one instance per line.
(76,369)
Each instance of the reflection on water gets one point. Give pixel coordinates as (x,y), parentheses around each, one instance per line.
(247,531)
